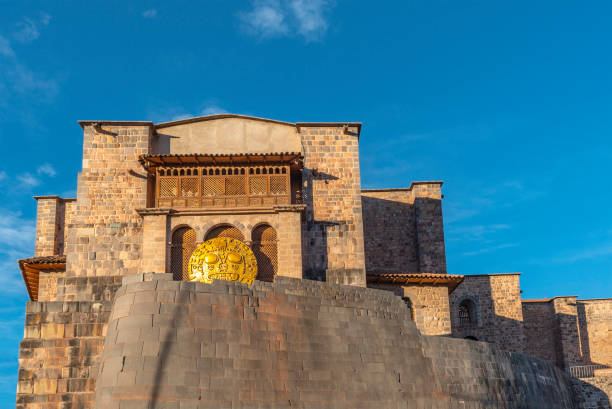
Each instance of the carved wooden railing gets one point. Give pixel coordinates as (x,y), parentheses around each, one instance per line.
(222,186)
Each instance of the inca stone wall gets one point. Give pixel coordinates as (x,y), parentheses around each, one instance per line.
(593,392)
(403,229)
(299,344)
(595,324)
(332,231)
(105,233)
(499,315)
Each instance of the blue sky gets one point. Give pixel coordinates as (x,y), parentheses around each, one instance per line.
(507,102)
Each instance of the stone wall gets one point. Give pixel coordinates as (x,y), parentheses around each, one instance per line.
(105,235)
(430,305)
(332,231)
(389,229)
(499,316)
(403,229)
(539,327)
(299,344)
(50,223)
(593,393)
(595,324)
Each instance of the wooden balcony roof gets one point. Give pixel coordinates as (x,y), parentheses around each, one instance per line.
(450,280)
(33,266)
(220,159)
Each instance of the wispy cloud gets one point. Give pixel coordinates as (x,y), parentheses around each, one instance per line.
(22,88)
(212,110)
(584,254)
(176,113)
(46,169)
(490,249)
(27,180)
(477,232)
(280,18)
(29,28)
(5,47)
(150,13)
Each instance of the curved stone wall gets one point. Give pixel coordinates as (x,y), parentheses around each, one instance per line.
(299,344)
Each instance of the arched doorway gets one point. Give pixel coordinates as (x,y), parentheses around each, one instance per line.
(265,249)
(226,230)
(183,244)
(467,313)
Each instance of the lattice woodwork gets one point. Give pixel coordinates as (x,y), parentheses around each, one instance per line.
(235,186)
(168,187)
(258,185)
(265,248)
(225,231)
(213,186)
(190,187)
(278,185)
(183,244)
(221,186)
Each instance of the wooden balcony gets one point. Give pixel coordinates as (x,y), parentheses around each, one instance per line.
(223,186)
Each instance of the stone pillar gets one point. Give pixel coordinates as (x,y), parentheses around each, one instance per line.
(289,244)
(568,339)
(429,227)
(48,211)
(105,237)
(333,227)
(155,237)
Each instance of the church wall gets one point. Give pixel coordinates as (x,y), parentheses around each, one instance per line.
(105,235)
(227,135)
(499,313)
(48,214)
(332,230)
(430,305)
(595,324)
(403,229)
(389,229)
(539,327)
(569,351)
(429,227)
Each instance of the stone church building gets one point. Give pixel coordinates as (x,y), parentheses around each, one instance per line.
(149,194)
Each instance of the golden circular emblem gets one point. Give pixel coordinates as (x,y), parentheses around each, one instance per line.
(223,258)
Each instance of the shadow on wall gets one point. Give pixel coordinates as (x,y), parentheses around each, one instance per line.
(474,317)
(390,238)
(315,232)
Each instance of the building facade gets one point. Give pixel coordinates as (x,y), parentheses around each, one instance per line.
(149,194)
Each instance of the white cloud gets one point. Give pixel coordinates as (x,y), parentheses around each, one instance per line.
(151,13)
(46,169)
(27,180)
(310,17)
(180,116)
(5,48)
(278,18)
(16,232)
(212,110)
(2,175)
(475,232)
(29,29)
(489,249)
(586,254)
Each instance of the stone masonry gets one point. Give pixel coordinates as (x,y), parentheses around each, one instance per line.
(333,227)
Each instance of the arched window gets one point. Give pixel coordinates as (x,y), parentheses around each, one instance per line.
(410,307)
(183,244)
(265,249)
(467,313)
(226,230)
